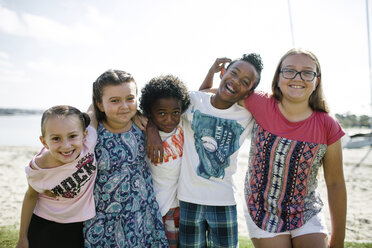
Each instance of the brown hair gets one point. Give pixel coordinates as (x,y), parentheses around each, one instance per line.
(64,110)
(317,100)
(109,77)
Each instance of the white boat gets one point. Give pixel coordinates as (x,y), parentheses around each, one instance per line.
(358,140)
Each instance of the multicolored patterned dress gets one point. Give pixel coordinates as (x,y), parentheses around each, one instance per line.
(127,214)
(285,157)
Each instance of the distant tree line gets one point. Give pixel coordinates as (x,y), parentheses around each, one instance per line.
(351,120)
(346,120)
(14,111)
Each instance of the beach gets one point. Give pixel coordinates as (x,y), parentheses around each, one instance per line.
(357,169)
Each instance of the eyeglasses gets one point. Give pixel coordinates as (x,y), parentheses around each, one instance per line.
(307,76)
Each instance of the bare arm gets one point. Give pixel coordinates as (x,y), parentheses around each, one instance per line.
(140,120)
(154,144)
(336,188)
(92,115)
(28,207)
(218,66)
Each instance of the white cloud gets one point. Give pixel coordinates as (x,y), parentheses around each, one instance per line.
(4,60)
(10,22)
(3,55)
(45,29)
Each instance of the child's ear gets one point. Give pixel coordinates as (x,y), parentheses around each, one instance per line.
(223,70)
(317,81)
(100,106)
(221,74)
(43,142)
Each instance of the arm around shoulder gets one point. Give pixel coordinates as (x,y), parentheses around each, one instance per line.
(92,116)
(154,144)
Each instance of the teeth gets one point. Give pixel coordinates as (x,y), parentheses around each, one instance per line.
(67,153)
(230,89)
(297,86)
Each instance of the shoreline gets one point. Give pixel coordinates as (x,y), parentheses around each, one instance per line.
(357,171)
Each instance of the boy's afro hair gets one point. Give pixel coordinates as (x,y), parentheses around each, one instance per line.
(163,87)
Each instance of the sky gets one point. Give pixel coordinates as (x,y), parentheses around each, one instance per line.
(52,51)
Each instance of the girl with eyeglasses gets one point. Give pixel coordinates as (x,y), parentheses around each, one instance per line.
(293,136)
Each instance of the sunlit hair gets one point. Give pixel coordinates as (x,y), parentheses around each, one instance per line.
(317,100)
(163,87)
(64,110)
(253,59)
(109,77)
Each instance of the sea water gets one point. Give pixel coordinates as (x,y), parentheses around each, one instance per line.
(20,130)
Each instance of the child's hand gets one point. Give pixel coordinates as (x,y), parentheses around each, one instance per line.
(154,144)
(219,65)
(140,120)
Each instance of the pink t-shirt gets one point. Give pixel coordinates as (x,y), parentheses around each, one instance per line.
(318,128)
(281,183)
(72,184)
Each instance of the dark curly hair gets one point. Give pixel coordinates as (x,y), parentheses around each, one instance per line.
(255,60)
(163,87)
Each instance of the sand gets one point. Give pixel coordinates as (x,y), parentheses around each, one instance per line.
(357,169)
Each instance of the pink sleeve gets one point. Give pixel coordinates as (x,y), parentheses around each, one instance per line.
(255,101)
(334,130)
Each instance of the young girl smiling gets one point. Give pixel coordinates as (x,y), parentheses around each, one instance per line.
(127,212)
(61,179)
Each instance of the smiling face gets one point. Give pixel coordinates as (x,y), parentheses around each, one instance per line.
(296,89)
(166,113)
(63,137)
(119,103)
(235,84)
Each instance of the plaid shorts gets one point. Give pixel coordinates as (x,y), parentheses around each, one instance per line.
(211,226)
(171,223)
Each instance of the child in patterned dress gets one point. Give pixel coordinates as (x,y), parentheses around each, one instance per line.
(127,213)
(61,180)
(163,100)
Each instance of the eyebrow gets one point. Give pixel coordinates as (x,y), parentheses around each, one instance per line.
(162,109)
(120,97)
(72,132)
(306,67)
(236,68)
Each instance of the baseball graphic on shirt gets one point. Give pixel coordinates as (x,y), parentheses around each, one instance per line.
(209,143)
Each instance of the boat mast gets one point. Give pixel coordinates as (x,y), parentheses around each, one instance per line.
(369,60)
(290,23)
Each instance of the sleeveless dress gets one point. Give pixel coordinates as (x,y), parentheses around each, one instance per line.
(127,214)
